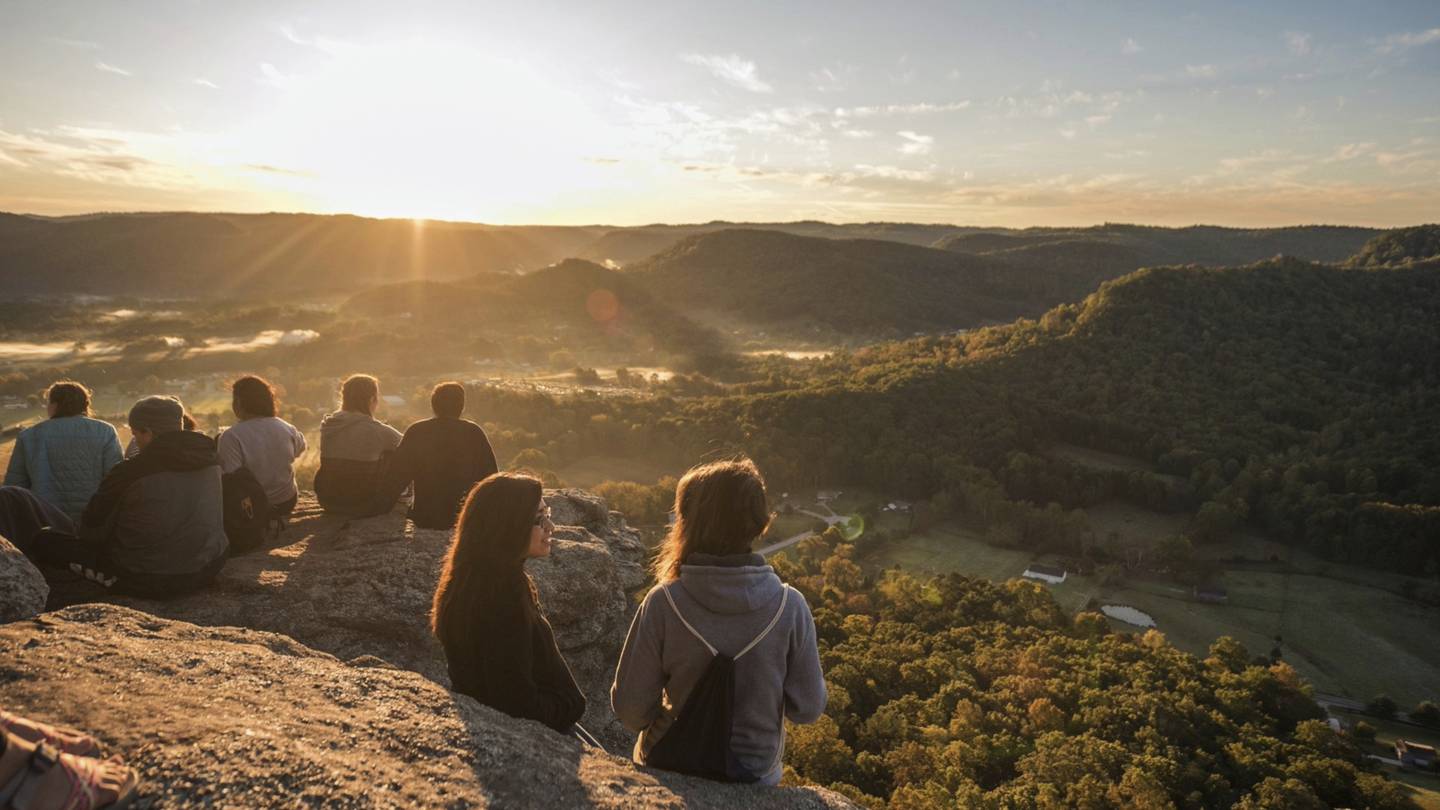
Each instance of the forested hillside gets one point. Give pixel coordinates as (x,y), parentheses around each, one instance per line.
(1399,246)
(798,284)
(1300,398)
(957,692)
(587,305)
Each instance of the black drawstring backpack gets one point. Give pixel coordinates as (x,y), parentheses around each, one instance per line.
(698,742)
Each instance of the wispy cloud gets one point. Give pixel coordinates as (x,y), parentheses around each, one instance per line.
(1409,39)
(922,108)
(1350,151)
(206,83)
(1206,71)
(1130,46)
(109,68)
(732,68)
(1297,42)
(271,75)
(915,143)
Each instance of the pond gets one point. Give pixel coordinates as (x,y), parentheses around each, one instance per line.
(1128,614)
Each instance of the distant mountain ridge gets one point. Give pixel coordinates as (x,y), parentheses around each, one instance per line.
(268,255)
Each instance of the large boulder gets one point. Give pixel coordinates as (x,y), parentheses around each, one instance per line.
(23,590)
(361,589)
(233,717)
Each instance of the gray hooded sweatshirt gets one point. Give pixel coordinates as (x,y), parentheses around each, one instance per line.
(729,600)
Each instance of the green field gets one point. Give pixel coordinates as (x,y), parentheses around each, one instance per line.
(1344,637)
(949,548)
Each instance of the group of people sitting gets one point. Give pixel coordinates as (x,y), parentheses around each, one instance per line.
(719,654)
(159,519)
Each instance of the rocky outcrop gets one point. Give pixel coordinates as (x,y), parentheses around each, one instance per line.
(233,717)
(23,590)
(361,589)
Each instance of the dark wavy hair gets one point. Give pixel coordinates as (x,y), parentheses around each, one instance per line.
(486,563)
(255,396)
(70,398)
(720,508)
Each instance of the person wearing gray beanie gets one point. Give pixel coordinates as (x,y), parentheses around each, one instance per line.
(155,527)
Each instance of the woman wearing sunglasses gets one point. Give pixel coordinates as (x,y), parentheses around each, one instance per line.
(500,649)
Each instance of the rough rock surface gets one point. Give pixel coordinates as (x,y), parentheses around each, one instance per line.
(23,590)
(362,589)
(232,717)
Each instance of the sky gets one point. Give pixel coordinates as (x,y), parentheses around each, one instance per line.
(1010,113)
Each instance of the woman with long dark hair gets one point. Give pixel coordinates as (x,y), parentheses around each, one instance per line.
(715,598)
(500,649)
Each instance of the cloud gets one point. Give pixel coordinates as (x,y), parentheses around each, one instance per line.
(1409,39)
(858,134)
(206,83)
(266,168)
(1297,42)
(915,143)
(109,68)
(1202,71)
(1350,151)
(732,68)
(272,76)
(1130,46)
(922,108)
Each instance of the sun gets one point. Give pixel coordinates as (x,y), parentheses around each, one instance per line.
(432,130)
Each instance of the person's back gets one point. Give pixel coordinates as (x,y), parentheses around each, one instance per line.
(443,457)
(266,446)
(352,446)
(262,442)
(155,526)
(167,518)
(730,598)
(63,459)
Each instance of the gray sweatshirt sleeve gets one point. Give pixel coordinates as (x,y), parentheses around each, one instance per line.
(639,679)
(805,692)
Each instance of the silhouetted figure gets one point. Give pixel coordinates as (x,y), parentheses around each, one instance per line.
(354,447)
(444,457)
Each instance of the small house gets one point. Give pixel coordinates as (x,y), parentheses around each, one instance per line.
(1414,755)
(1213,594)
(1045,573)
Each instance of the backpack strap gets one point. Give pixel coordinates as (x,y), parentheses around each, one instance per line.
(784,597)
(681,617)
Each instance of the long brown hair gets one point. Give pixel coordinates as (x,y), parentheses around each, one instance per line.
(720,508)
(486,561)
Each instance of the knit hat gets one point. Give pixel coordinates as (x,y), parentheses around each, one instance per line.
(157,414)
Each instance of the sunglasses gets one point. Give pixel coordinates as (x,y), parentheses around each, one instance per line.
(542,518)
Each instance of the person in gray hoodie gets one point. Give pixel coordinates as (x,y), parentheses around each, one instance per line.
(712,587)
(354,446)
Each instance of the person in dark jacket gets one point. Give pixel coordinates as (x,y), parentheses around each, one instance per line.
(499,647)
(444,457)
(354,448)
(155,526)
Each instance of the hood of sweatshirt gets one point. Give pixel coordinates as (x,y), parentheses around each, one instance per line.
(180,450)
(730,584)
(340,421)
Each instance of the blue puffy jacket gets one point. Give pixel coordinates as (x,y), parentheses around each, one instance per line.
(63,460)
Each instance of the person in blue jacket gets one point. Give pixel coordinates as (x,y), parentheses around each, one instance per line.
(63,459)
